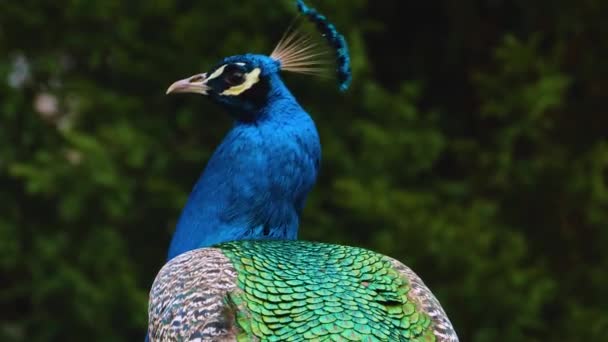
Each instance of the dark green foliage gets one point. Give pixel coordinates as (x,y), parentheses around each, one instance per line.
(473,146)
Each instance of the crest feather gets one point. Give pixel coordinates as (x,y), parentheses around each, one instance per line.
(300,52)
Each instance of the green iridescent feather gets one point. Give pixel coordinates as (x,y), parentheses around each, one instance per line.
(313,291)
(292,291)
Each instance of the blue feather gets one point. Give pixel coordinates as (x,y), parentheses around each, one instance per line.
(256,182)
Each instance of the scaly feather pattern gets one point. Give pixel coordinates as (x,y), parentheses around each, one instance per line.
(293,291)
(187,300)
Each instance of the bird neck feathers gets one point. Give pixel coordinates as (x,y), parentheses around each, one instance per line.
(255,184)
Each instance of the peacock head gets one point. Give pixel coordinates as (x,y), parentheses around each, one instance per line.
(246,83)
(242,83)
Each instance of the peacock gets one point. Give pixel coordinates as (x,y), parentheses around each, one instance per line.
(235,270)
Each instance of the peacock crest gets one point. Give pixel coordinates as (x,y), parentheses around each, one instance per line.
(300,52)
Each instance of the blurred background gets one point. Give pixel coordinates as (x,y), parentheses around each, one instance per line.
(473,146)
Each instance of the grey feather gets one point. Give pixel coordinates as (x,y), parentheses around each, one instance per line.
(443,329)
(188,298)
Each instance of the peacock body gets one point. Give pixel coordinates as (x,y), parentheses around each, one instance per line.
(292,291)
(235,270)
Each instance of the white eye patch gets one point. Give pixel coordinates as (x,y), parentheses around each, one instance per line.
(217,72)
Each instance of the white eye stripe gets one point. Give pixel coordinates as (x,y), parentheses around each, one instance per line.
(220,71)
(217,72)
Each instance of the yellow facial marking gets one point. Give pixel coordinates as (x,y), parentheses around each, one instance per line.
(250,79)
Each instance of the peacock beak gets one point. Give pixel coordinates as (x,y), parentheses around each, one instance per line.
(194,84)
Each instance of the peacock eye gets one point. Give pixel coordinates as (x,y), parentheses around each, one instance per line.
(234,78)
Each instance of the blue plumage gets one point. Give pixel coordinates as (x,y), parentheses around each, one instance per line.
(256,182)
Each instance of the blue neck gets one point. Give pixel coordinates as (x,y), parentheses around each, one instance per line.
(256,182)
